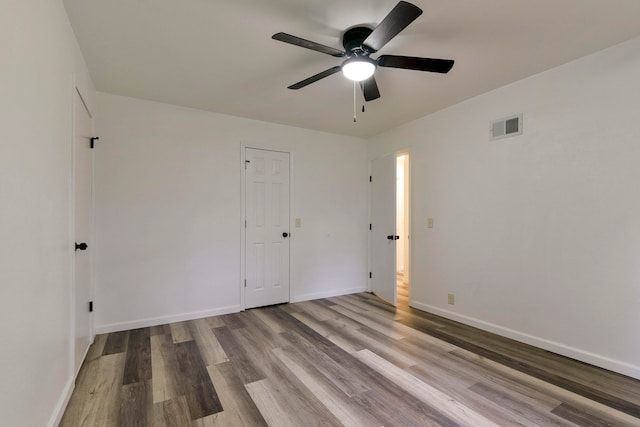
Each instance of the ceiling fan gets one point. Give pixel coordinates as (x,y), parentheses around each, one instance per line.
(360,43)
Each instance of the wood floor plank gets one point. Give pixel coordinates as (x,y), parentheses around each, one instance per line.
(511,402)
(135,406)
(581,417)
(294,395)
(567,382)
(386,313)
(239,408)
(271,322)
(233,321)
(172,413)
(215,321)
(328,331)
(160,330)
(96,401)
(365,321)
(180,332)
(306,352)
(202,399)
(268,402)
(96,348)
(386,347)
(450,407)
(317,311)
(167,383)
(210,349)
(457,387)
(473,373)
(239,357)
(389,403)
(137,366)
(345,410)
(116,343)
(95,352)
(201,395)
(294,325)
(600,410)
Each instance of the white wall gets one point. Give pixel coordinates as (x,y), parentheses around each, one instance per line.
(168,214)
(39,60)
(538,236)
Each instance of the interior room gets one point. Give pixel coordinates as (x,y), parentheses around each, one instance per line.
(206,221)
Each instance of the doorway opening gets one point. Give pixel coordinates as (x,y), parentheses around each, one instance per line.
(402,230)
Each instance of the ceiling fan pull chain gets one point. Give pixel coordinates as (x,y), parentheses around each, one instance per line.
(355,107)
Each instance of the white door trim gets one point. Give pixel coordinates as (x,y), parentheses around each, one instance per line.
(243,214)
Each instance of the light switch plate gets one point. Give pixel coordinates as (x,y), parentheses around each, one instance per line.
(298,223)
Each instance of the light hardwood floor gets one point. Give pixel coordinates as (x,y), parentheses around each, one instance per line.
(351,360)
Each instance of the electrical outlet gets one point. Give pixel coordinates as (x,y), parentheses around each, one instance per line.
(452,299)
(298,223)
(429,222)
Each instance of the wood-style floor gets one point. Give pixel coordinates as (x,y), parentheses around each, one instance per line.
(351,361)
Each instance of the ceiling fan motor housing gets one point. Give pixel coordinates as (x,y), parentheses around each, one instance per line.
(352,40)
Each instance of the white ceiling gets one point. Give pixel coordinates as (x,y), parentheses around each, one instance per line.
(218,55)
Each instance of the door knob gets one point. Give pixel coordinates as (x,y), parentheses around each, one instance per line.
(285,234)
(81,246)
(390,237)
(396,237)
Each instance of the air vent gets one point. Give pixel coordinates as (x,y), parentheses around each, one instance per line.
(509,126)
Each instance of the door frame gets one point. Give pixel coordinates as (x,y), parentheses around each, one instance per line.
(409,225)
(243,213)
(72,237)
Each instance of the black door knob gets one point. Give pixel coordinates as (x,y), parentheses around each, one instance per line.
(390,237)
(81,246)
(396,237)
(285,234)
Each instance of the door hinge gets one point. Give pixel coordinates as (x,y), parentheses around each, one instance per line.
(369,226)
(246,162)
(93,139)
(245,283)
(370,178)
(90,306)
(370,275)
(245,223)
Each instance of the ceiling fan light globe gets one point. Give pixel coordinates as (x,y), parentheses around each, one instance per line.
(358,69)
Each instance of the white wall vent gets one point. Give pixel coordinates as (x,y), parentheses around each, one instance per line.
(509,126)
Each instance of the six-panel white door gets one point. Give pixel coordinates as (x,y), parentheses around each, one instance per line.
(383,228)
(83,177)
(267,227)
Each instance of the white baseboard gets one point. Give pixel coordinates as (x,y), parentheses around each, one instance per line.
(58,411)
(327,294)
(562,349)
(162,320)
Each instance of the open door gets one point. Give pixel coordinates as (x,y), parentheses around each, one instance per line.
(383,228)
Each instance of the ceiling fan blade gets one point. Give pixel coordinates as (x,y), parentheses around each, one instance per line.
(297,41)
(397,20)
(370,89)
(313,79)
(415,63)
